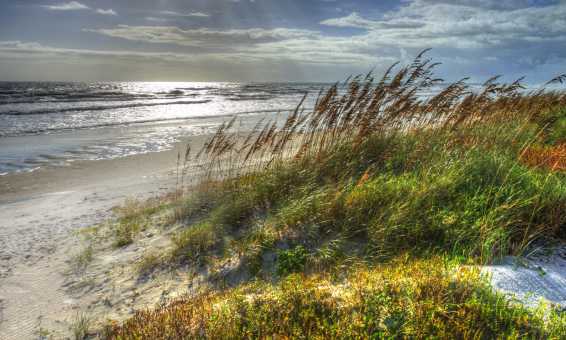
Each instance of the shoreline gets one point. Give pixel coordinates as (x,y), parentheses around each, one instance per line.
(87,173)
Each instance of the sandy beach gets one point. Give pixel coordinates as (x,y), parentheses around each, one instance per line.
(39,214)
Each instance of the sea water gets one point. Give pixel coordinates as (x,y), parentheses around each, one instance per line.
(55,123)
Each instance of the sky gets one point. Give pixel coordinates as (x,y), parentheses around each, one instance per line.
(277,40)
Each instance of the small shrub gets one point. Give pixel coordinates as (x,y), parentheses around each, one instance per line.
(133,217)
(291,261)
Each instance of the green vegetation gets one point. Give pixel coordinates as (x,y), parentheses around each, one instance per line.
(358,219)
(133,217)
(149,263)
(291,261)
(411,299)
(195,243)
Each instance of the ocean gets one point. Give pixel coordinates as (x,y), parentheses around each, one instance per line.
(57,123)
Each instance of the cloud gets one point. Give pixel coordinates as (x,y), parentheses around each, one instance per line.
(191,14)
(265,45)
(417,24)
(77,6)
(35,49)
(109,11)
(246,63)
(157,19)
(34,61)
(19,45)
(354,20)
(202,37)
(506,36)
(67,6)
(486,4)
(475,24)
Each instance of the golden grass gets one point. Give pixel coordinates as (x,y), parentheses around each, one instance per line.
(403,299)
(551,157)
(389,105)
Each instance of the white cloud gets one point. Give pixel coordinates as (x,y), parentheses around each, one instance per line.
(77,6)
(354,20)
(37,50)
(67,6)
(434,23)
(202,37)
(279,44)
(33,61)
(157,19)
(191,14)
(109,11)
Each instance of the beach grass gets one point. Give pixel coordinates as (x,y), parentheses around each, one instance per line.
(81,260)
(368,216)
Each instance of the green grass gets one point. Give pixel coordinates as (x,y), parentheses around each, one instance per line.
(134,216)
(80,326)
(372,230)
(326,218)
(196,243)
(475,203)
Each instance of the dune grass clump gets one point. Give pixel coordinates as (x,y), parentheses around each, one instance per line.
(150,262)
(81,325)
(195,243)
(478,202)
(80,261)
(133,217)
(125,233)
(358,219)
